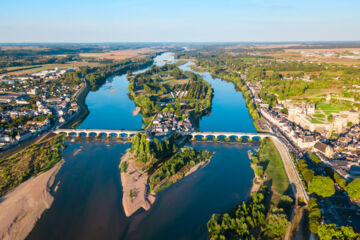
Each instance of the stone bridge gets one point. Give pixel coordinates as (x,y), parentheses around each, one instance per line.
(228,134)
(97,132)
(127,133)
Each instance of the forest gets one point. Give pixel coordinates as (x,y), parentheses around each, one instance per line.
(96,76)
(242,221)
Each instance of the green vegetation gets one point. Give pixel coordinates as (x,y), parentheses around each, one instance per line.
(250,219)
(314,215)
(159,86)
(123,167)
(141,148)
(276,225)
(332,232)
(148,153)
(290,79)
(241,221)
(339,180)
(305,171)
(275,170)
(353,189)
(29,162)
(322,186)
(331,108)
(163,161)
(96,76)
(175,168)
(315,158)
(268,162)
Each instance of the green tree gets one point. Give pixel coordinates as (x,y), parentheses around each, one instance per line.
(353,189)
(322,186)
(314,215)
(286,203)
(339,180)
(308,175)
(276,225)
(332,232)
(330,118)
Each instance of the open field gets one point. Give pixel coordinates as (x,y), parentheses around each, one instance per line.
(275,171)
(331,108)
(36,68)
(313,93)
(296,54)
(120,54)
(264,46)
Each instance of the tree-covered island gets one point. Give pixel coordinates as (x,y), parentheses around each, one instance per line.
(152,164)
(170,99)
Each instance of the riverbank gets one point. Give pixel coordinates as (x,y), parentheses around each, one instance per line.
(24,205)
(197,166)
(136,194)
(136,111)
(84,111)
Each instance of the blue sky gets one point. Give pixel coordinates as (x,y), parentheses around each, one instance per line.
(178,21)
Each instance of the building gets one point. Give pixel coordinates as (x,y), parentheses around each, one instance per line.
(323,148)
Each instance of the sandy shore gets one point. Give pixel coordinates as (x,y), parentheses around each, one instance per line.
(23,206)
(197,166)
(134,182)
(136,111)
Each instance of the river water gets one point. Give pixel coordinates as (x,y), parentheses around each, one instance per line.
(88,200)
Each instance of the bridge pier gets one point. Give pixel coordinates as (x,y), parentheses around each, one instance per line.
(128,134)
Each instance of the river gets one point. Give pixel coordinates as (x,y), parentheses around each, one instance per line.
(88,200)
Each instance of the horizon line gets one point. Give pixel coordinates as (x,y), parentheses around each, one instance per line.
(188,42)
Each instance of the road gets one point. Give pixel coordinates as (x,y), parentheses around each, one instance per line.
(290,169)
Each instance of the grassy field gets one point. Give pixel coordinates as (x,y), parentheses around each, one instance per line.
(275,170)
(319,115)
(22,67)
(316,120)
(312,93)
(331,108)
(36,68)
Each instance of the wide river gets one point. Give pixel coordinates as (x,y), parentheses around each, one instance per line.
(88,200)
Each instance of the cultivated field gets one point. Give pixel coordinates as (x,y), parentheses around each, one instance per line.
(120,54)
(36,68)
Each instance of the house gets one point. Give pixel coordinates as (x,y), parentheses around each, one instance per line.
(7,98)
(323,148)
(33,91)
(307,141)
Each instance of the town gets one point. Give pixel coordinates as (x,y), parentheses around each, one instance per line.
(35,103)
(168,122)
(341,152)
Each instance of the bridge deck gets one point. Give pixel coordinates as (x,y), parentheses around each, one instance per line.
(131,132)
